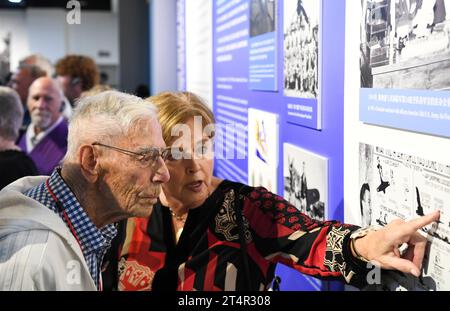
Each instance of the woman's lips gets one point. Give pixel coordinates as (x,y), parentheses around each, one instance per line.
(195,186)
(148,198)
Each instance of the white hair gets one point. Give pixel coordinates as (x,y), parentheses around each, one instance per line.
(105,117)
(11,113)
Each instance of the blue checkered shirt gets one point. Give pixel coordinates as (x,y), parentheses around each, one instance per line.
(94,242)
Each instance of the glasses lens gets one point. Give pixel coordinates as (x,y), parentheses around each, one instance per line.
(144,160)
(151,157)
(165,154)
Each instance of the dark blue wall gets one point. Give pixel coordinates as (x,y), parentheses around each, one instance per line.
(327,142)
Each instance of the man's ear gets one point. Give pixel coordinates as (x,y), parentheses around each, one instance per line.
(89,165)
(77,83)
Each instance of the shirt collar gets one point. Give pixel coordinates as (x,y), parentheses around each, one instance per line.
(91,238)
(32,139)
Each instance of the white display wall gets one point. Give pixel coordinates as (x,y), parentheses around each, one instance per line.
(413,166)
(198,21)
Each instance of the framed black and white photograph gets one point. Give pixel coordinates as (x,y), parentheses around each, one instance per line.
(302,35)
(396,185)
(405,44)
(404,54)
(306,181)
(262,17)
(365,184)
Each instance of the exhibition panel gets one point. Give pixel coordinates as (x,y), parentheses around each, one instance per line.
(397,125)
(267,90)
(303,91)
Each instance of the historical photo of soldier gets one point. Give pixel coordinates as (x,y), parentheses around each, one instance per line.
(305,181)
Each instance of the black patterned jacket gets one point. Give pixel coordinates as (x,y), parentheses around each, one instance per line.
(208,255)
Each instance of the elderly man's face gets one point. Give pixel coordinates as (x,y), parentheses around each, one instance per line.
(133,189)
(44,103)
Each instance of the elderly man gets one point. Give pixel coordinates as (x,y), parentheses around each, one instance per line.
(54,231)
(45,140)
(21,80)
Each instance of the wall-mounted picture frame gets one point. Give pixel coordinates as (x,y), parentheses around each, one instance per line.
(263,45)
(404,65)
(306,181)
(302,36)
(263,150)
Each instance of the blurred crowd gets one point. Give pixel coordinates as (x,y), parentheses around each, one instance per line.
(36,104)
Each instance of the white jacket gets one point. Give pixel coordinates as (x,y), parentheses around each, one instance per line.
(37,250)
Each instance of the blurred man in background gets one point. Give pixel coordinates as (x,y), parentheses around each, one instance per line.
(20,81)
(76,73)
(45,140)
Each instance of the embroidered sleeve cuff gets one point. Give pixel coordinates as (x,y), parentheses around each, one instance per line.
(359,267)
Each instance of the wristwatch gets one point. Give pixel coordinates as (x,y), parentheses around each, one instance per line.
(361,232)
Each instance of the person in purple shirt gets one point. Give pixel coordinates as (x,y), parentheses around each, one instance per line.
(45,140)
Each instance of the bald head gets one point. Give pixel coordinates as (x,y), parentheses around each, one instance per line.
(44,103)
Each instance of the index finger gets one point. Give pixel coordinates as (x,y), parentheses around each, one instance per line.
(424,220)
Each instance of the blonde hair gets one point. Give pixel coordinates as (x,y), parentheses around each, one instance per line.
(176,108)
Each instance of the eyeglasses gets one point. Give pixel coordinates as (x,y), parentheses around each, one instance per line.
(201,151)
(145,158)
